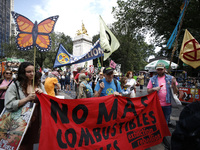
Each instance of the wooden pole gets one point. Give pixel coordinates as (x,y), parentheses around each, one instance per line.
(101,61)
(34,68)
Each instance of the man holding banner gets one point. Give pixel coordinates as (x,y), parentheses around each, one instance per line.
(162,83)
(107,85)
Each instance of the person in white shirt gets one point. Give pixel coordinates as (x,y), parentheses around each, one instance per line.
(131,83)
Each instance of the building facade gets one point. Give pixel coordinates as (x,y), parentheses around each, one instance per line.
(5,23)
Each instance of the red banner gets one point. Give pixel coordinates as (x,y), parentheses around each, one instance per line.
(102,123)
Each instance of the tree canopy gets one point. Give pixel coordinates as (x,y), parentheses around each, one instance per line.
(140,26)
(158,19)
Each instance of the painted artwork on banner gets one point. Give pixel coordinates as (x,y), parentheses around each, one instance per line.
(189,94)
(115,123)
(13,126)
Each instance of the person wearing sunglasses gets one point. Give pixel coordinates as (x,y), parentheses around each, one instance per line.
(4,84)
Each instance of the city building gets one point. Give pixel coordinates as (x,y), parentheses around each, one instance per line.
(6,6)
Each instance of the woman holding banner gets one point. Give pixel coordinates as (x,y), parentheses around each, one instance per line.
(22,92)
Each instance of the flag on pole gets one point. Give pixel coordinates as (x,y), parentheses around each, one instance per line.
(99,64)
(108,41)
(174,33)
(190,50)
(64,58)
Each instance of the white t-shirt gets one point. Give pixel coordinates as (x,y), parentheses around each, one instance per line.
(132,82)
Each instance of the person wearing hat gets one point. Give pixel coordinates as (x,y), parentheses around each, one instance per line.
(161,83)
(51,82)
(107,85)
(45,75)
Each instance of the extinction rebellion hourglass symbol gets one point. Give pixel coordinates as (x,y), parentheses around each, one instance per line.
(192,55)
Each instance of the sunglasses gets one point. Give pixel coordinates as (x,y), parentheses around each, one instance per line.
(8,73)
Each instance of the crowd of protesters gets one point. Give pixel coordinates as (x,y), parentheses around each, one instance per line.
(19,91)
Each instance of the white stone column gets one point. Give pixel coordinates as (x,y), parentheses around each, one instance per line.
(81,45)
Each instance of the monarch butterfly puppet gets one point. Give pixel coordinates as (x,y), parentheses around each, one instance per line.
(31,34)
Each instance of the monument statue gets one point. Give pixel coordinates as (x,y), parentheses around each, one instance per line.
(82,31)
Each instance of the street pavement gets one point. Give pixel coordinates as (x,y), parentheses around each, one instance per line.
(174,115)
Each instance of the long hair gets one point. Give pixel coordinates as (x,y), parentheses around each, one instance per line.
(123,81)
(23,79)
(129,72)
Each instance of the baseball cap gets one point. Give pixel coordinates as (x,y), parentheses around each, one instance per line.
(55,73)
(160,66)
(100,72)
(107,70)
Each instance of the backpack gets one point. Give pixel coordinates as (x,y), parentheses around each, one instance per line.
(89,91)
(115,81)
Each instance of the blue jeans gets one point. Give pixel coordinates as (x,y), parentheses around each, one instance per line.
(167,112)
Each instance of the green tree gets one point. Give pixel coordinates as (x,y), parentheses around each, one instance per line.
(157,18)
(43,59)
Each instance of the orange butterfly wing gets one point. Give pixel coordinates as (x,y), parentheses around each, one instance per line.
(31,34)
(24,38)
(45,27)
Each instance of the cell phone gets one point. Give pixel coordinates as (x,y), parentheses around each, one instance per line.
(100,81)
(161,86)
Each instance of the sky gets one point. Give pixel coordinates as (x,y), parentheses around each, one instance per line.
(71,13)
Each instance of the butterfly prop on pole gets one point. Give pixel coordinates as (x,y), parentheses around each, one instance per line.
(33,34)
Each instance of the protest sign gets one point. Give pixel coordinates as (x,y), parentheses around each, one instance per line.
(102,122)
